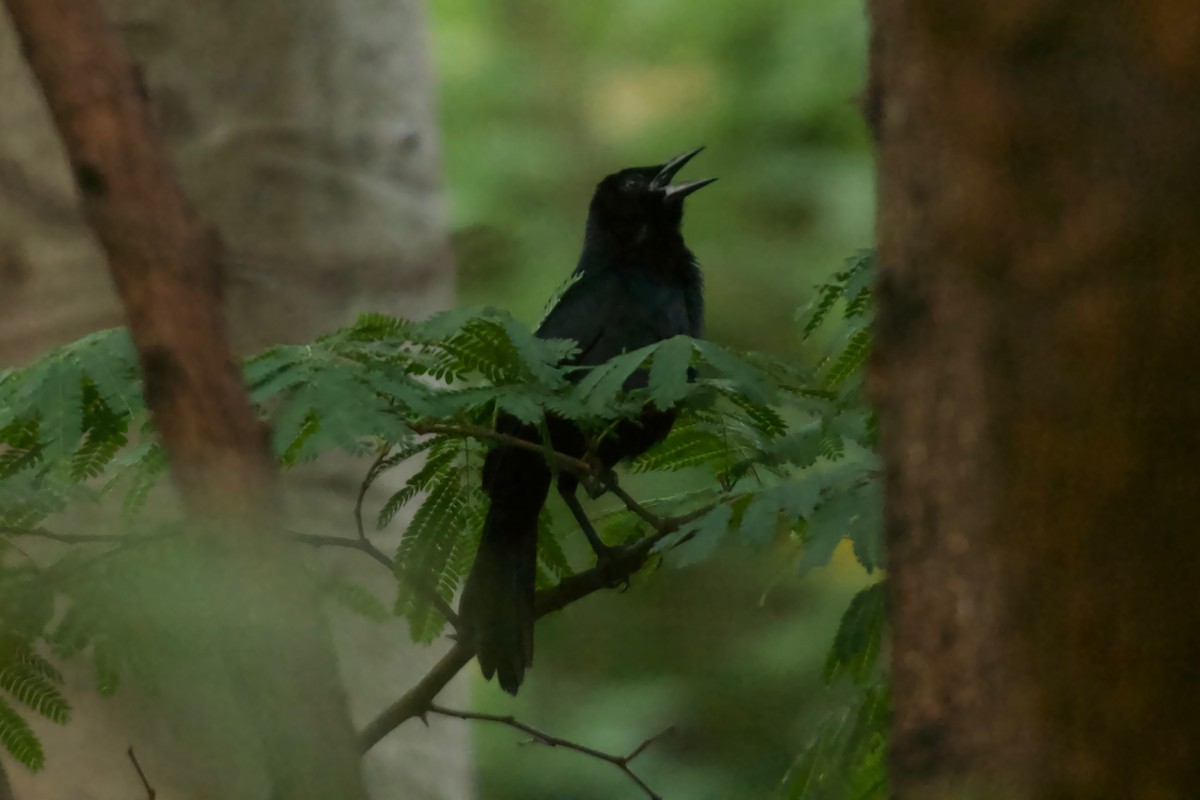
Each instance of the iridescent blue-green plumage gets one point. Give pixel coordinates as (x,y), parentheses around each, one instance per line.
(636,284)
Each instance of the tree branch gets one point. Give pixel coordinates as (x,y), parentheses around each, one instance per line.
(6,792)
(541,737)
(367,480)
(417,701)
(361,545)
(65,538)
(150,793)
(561,460)
(610,483)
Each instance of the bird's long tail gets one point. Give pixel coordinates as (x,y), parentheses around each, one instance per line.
(496,610)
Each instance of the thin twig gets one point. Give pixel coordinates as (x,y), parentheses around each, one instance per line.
(415,702)
(367,480)
(316,540)
(364,545)
(150,793)
(541,737)
(625,562)
(610,482)
(66,538)
(6,792)
(23,553)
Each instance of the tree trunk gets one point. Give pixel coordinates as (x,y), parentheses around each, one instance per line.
(305,131)
(1036,347)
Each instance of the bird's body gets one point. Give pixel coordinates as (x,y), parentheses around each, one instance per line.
(636,284)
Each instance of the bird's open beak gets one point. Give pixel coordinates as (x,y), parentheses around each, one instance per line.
(662,180)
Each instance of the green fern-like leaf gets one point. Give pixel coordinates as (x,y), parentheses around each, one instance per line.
(39,665)
(705,534)
(450,480)
(73,632)
(856,646)
(109,360)
(105,668)
(795,499)
(58,396)
(853,285)
(358,599)
(375,327)
(550,552)
(539,357)
(690,446)
(820,307)
(851,359)
(746,377)
(846,511)
(669,371)
(845,759)
(19,739)
(297,450)
(404,453)
(860,305)
(440,461)
(598,389)
(399,499)
(146,471)
(105,431)
(22,446)
(27,684)
(275,371)
(764,418)
(96,454)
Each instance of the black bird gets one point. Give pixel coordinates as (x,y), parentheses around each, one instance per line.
(636,284)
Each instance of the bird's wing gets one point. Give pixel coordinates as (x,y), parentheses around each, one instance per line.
(583,314)
(608,314)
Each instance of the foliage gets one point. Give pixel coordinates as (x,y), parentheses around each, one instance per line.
(846,756)
(788,455)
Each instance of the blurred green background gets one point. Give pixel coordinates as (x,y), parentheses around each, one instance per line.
(538,101)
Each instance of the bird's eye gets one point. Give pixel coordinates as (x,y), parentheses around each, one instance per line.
(633,183)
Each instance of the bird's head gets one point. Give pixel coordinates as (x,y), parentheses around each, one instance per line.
(640,203)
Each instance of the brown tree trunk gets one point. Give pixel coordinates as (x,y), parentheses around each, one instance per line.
(305,131)
(1038,335)
(256,605)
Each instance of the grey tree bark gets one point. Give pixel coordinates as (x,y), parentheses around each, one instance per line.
(305,131)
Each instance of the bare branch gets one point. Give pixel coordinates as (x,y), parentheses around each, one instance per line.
(150,793)
(6,792)
(610,482)
(65,538)
(367,480)
(626,561)
(361,545)
(416,701)
(541,737)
